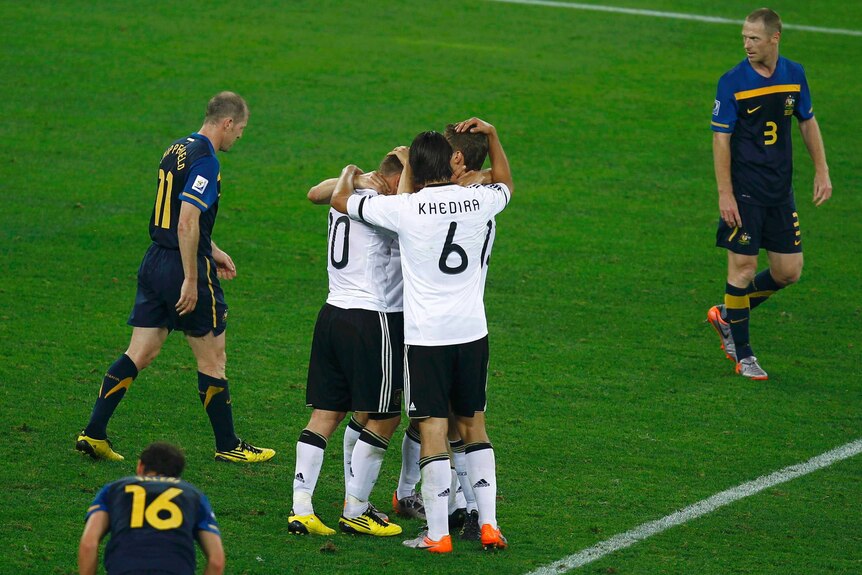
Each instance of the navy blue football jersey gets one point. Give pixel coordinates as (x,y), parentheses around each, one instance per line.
(188,172)
(154,522)
(757,111)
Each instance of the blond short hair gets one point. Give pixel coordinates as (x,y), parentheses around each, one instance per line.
(770,18)
(226,105)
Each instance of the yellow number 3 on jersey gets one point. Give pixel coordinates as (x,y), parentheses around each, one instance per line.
(771,133)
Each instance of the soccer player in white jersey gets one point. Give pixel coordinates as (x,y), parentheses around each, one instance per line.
(356,365)
(470,149)
(443,230)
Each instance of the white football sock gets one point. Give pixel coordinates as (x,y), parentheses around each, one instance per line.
(460,460)
(453,491)
(309,460)
(482,471)
(436,481)
(367,460)
(351,434)
(410,474)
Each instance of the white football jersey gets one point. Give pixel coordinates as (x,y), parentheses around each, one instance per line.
(445,233)
(363,264)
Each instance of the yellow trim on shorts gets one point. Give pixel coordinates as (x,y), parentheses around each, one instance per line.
(212,293)
(735,231)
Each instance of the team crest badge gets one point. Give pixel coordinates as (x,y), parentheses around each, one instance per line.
(744,239)
(789,103)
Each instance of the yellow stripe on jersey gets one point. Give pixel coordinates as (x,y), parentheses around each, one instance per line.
(198,200)
(720,125)
(768,90)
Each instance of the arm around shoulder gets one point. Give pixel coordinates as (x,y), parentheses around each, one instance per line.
(322,192)
(344,188)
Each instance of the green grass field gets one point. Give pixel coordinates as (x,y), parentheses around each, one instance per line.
(610,402)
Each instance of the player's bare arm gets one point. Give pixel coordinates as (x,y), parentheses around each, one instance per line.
(214,552)
(810,130)
(322,192)
(405,184)
(88,549)
(225,268)
(500,171)
(188,234)
(344,188)
(721,158)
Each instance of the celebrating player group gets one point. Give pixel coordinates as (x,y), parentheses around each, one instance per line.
(408,250)
(403,328)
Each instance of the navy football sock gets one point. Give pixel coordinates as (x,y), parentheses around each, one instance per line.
(118,379)
(215,398)
(738,310)
(761,288)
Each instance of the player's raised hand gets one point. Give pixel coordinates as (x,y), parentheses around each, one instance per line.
(822,188)
(402,153)
(188,296)
(351,170)
(371,181)
(474,125)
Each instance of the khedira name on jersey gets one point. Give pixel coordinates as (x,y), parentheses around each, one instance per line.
(435,208)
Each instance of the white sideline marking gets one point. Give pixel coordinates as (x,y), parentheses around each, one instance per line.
(675,15)
(700,508)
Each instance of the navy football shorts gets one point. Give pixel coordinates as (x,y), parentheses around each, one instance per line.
(772,228)
(160,278)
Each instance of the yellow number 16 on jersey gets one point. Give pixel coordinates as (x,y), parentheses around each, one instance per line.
(161,504)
